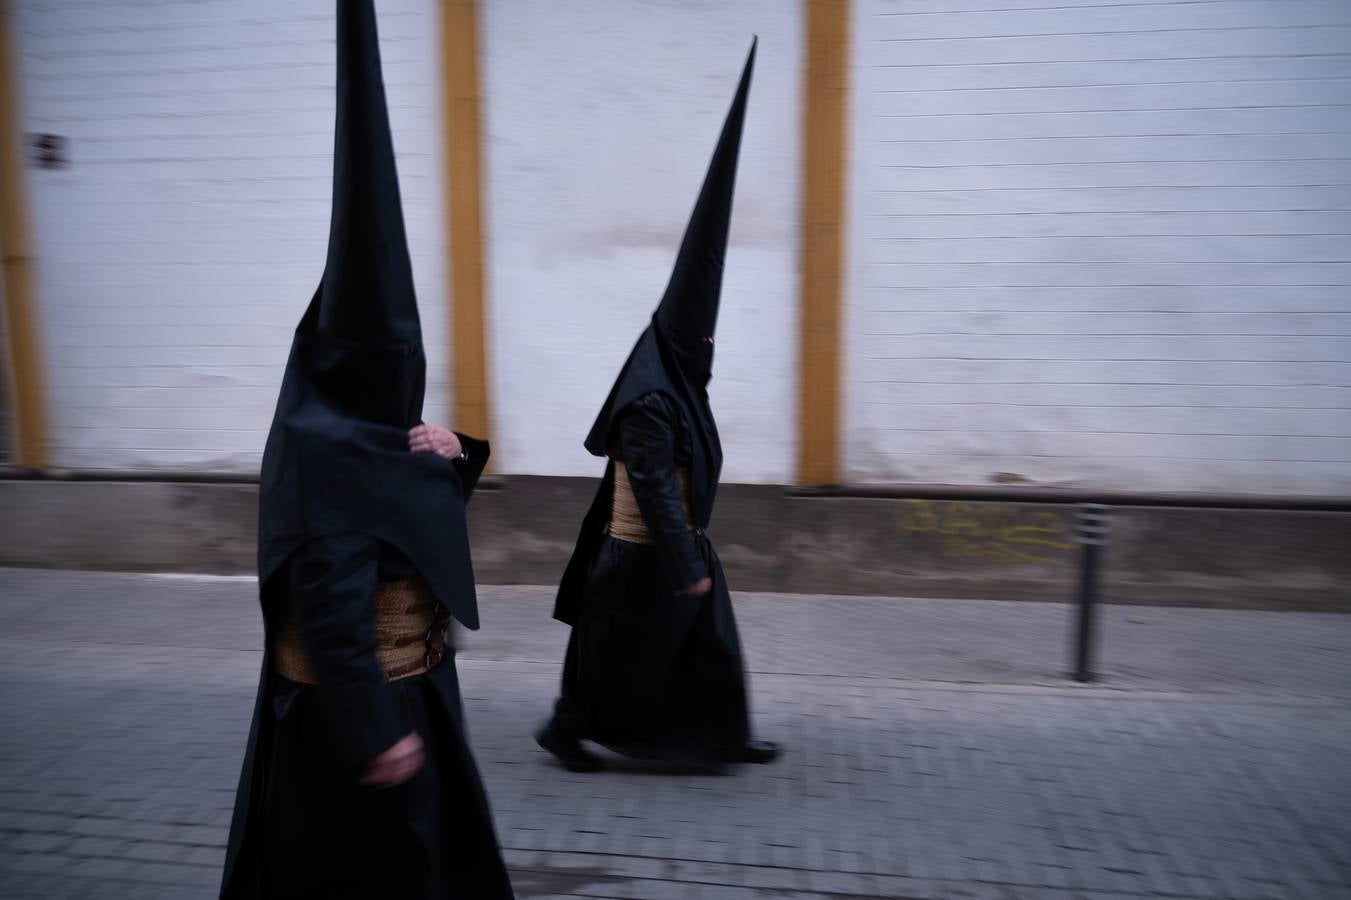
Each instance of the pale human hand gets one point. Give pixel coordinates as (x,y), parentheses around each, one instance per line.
(435,439)
(397,764)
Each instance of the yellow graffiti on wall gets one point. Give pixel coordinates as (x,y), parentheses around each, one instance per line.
(993,532)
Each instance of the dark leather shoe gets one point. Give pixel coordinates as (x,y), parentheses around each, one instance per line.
(760,752)
(568,750)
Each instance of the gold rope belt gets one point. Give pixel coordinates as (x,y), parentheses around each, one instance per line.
(626,520)
(410,634)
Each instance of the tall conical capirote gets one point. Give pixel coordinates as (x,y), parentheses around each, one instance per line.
(367,292)
(688,312)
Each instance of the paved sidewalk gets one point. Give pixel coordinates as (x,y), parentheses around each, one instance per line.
(935,751)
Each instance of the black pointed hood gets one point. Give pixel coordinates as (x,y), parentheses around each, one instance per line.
(688,313)
(337,457)
(674,354)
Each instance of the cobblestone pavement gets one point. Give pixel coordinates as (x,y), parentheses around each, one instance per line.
(935,750)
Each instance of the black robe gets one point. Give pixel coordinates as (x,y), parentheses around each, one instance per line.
(304,826)
(651,672)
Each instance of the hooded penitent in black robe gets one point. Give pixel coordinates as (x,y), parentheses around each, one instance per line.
(344,506)
(650,671)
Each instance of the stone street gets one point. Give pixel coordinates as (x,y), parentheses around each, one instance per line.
(935,749)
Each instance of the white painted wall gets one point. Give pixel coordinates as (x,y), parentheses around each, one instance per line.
(180,248)
(1102,243)
(601,118)
(1092,242)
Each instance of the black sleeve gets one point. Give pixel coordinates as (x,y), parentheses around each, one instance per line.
(647,446)
(471,466)
(332,599)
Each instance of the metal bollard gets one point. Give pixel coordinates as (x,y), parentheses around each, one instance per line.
(1092,531)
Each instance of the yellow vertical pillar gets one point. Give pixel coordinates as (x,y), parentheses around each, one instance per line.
(16,254)
(463,141)
(824,124)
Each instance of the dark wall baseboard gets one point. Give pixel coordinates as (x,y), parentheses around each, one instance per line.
(770,538)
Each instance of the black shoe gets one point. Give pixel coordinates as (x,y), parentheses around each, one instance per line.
(760,752)
(569,750)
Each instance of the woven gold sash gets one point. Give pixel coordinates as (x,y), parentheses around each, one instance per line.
(626,520)
(410,634)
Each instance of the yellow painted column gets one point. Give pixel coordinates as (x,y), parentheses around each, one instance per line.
(16,253)
(463,141)
(824,124)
